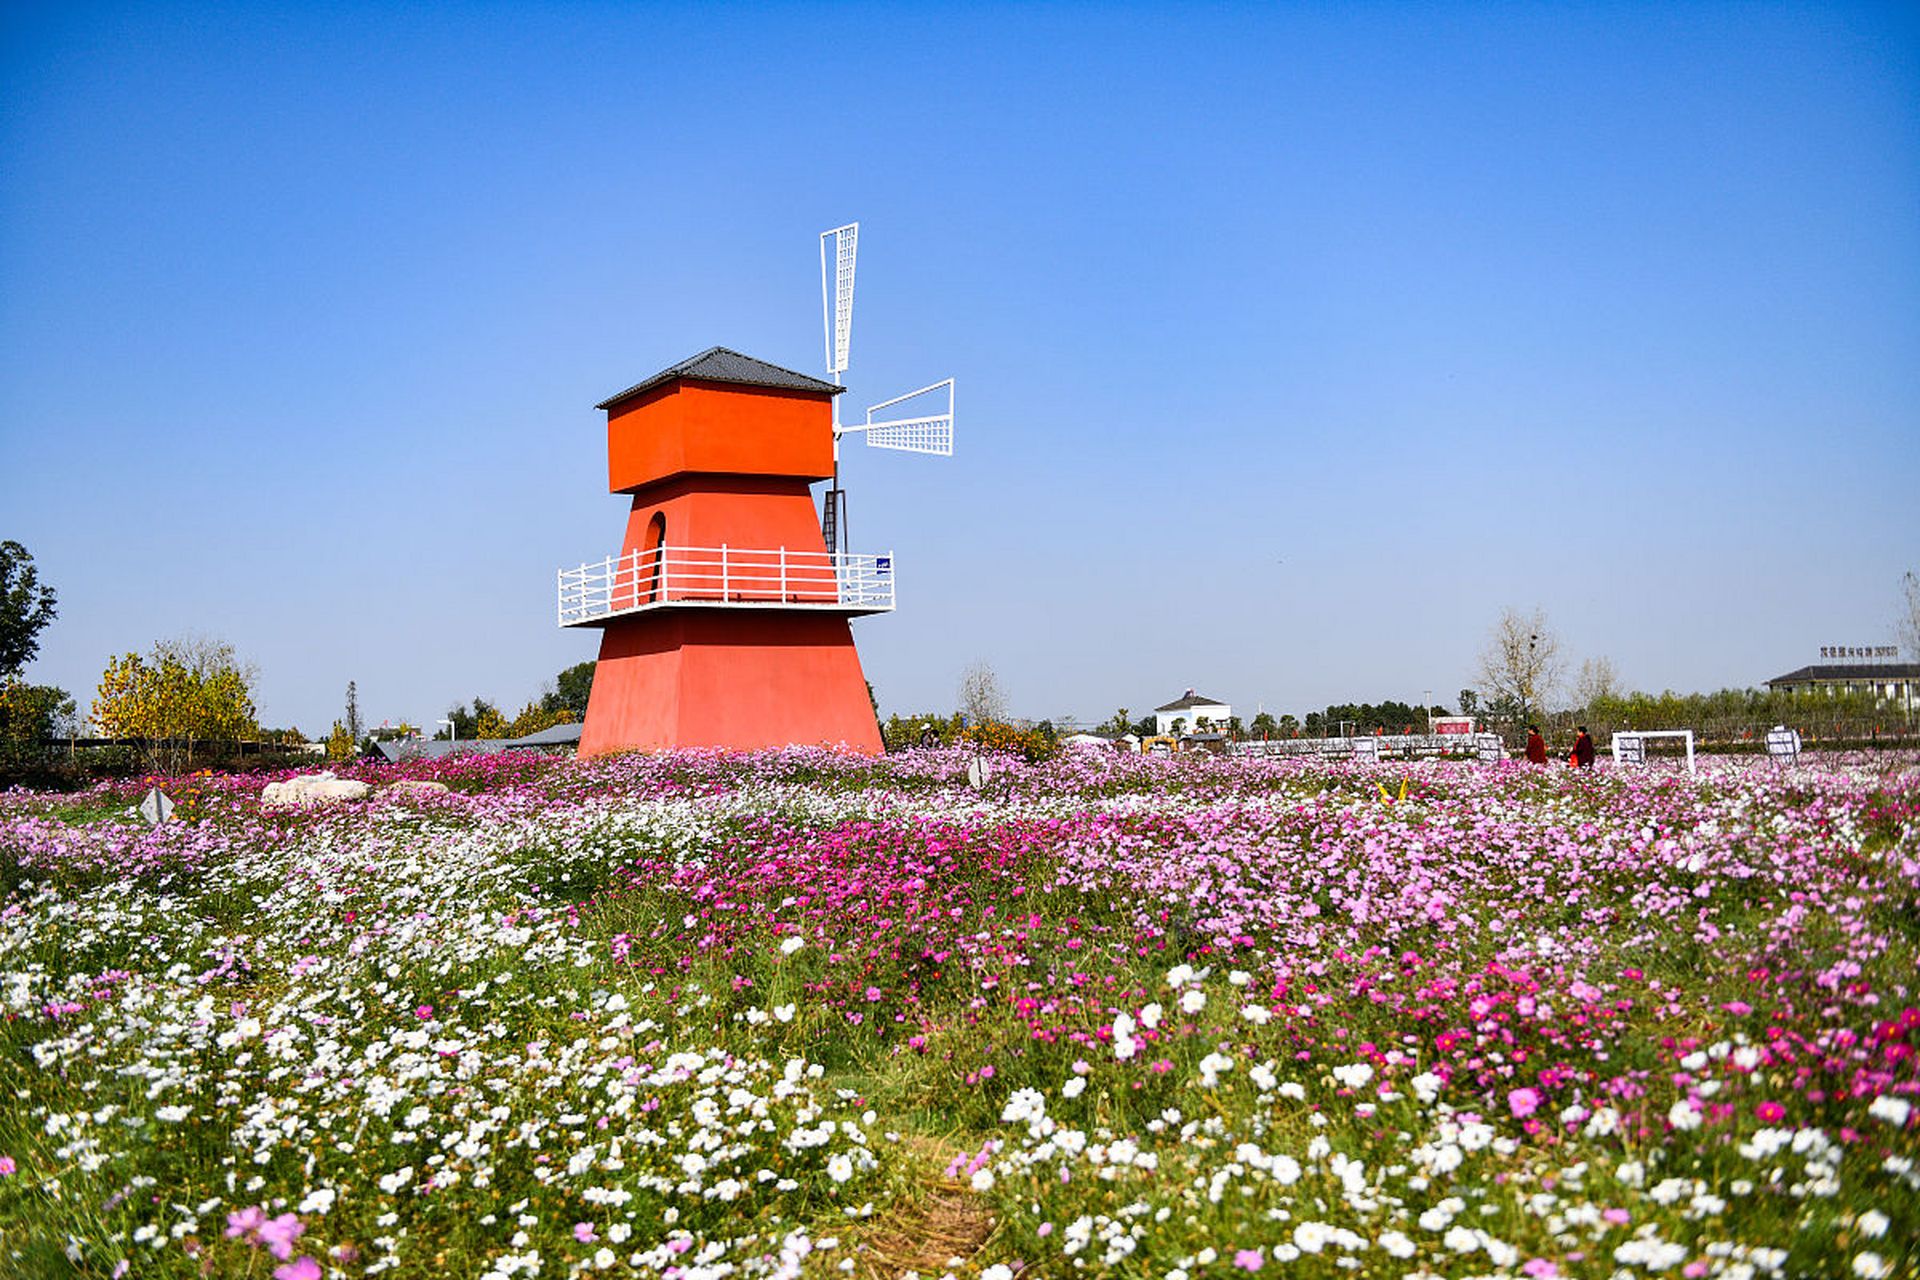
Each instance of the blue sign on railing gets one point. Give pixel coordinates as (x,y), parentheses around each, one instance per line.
(883,564)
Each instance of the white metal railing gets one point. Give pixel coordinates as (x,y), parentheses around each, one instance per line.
(750,577)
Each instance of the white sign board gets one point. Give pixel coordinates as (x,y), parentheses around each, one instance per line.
(979,773)
(1366,749)
(156,808)
(1784,744)
(1488,749)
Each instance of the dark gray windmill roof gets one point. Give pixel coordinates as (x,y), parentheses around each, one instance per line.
(718,364)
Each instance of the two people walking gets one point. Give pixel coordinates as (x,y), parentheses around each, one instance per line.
(1582,757)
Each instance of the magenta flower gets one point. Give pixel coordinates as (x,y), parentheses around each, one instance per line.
(245,1221)
(278,1234)
(301,1268)
(7,1166)
(1541,1268)
(424,1012)
(1523,1102)
(1770,1113)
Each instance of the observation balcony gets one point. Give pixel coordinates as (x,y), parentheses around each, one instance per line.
(725,577)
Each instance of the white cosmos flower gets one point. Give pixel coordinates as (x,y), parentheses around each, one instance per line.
(840,1167)
(1074,1087)
(1193,1000)
(982,1179)
(1891,1109)
(791,944)
(1354,1074)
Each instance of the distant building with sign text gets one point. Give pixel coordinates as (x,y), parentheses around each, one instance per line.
(1857,669)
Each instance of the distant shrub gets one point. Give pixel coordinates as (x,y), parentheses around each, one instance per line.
(1031,745)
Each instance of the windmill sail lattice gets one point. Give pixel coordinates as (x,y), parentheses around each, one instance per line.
(837,250)
(929,433)
(905,431)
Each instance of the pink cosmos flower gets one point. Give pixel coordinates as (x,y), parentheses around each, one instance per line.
(278,1234)
(1248,1259)
(1523,1102)
(301,1268)
(1541,1268)
(424,1012)
(245,1220)
(583,1232)
(7,1166)
(1770,1113)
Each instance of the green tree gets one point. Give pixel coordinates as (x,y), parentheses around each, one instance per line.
(26,607)
(32,713)
(1119,726)
(571,690)
(1265,726)
(466,723)
(1289,727)
(355,729)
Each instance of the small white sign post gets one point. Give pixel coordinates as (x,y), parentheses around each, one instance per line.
(156,808)
(1366,749)
(1488,749)
(1631,748)
(979,773)
(1783,744)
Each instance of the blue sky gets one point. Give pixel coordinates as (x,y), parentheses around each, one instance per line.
(1293,344)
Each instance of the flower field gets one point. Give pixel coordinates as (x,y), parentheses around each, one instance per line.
(697,1015)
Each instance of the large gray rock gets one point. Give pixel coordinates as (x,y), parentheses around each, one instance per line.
(419,787)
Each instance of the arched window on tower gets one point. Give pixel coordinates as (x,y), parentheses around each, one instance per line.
(652,553)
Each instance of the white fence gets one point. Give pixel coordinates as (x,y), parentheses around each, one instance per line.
(735,577)
(1630,746)
(1482,746)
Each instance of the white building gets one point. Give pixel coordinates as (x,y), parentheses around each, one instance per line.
(1184,714)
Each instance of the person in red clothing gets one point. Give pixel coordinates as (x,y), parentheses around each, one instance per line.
(1536,745)
(1582,750)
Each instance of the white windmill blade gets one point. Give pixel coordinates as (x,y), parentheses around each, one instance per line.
(926,433)
(837,249)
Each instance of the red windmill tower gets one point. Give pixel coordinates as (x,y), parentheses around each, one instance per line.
(725,618)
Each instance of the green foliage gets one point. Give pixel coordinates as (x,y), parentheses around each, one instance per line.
(466,723)
(1391,716)
(571,689)
(32,713)
(1751,706)
(26,607)
(901,732)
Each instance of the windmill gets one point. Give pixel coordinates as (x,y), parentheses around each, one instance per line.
(929,433)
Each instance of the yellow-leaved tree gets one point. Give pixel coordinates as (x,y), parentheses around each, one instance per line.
(534,717)
(186,692)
